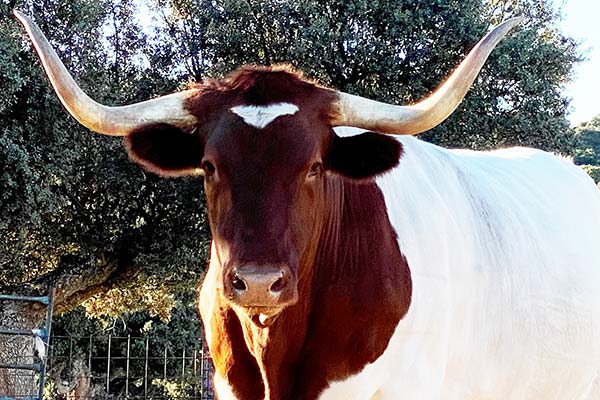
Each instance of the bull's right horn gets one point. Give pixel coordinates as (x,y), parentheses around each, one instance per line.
(117,121)
(428,113)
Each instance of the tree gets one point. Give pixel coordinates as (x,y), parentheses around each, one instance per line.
(27,201)
(71,200)
(76,213)
(587,151)
(399,51)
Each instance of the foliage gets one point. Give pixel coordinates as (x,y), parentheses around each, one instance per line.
(152,296)
(593,171)
(587,152)
(399,51)
(72,202)
(588,143)
(173,388)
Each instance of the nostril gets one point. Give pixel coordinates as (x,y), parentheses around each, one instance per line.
(238,283)
(278,285)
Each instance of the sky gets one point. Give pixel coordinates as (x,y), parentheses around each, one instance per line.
(581,21)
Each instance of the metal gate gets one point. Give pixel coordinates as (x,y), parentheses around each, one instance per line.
(36,369)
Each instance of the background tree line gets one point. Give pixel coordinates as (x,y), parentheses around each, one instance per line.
(76,214)
(587,150)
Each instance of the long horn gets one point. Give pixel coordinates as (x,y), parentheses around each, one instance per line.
(428,113)
(117,121)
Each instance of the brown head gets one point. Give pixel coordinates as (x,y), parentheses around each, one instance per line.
(263,140)
(265,145)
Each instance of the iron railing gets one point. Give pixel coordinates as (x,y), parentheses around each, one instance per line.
(128,367)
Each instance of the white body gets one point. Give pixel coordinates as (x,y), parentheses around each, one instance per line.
(504,252)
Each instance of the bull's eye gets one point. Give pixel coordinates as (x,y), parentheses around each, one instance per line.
(315,170)
(208,167)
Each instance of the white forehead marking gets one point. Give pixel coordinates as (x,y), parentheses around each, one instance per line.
(261,116)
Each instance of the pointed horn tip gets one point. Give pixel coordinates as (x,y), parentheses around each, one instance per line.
(20,16)
(24,20)
(496,33)
(512,22)
(518,19)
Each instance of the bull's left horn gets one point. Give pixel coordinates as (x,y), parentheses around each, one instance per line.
(117,121)
(428,113)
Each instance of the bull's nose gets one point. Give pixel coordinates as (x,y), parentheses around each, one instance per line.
(261,286)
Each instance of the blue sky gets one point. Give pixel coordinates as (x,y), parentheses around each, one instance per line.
(580,21)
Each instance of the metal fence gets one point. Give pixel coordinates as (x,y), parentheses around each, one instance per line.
(127,367)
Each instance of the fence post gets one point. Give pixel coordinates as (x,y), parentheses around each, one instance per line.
(165,363)
(49,312)
(127,368)
(108,366)
(146,372)
(90,357)
(195,373)
(70,363)
(183,365)
(202,372)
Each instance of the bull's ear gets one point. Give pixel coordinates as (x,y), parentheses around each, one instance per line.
(166,150)
(363,156)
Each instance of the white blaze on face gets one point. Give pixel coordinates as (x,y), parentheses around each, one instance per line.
(261,116)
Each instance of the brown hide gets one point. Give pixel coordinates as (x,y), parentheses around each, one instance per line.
(359,290)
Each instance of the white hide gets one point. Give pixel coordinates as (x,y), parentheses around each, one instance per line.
(504,252)
(222,388)
(261,116)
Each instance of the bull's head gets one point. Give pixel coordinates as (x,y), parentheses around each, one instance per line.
(263,140)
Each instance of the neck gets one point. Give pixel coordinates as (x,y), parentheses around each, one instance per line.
(355,273)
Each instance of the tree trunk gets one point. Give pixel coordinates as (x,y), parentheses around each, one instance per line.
(19,349)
